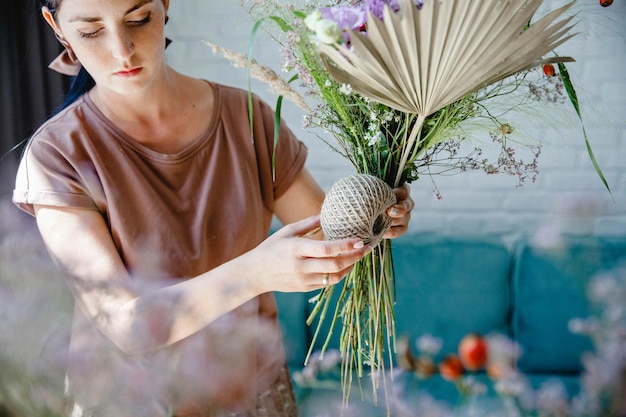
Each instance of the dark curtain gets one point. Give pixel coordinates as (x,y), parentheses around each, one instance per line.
(29,91)
(29,94)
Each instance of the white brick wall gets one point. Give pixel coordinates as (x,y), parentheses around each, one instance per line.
(567,197)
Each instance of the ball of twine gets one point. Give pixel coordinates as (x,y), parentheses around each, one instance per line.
(356,206)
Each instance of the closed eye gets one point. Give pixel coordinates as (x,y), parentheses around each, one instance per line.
(89,34)
(140,22)
(95,33)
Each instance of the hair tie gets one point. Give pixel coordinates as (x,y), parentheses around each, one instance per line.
(66,63)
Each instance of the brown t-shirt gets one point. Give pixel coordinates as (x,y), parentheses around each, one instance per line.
(171,216)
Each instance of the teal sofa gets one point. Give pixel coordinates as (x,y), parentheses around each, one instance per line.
(451,286)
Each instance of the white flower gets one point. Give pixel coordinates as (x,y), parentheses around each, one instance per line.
(429,344)
(330,360)
(502,348)
(513,384)
(345,89)
(603,288)
(552,398)
(311,20)
(374,138)
(327,31)
(388,116)
(474,386)
(583,326)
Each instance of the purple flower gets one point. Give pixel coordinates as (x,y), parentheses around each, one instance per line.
(346,17)
(376,7)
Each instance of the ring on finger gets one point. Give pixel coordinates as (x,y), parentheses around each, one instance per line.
(325,280)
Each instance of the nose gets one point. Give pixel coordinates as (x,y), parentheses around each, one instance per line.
(122,46)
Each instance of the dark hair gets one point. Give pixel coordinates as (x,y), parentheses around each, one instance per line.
(82,82)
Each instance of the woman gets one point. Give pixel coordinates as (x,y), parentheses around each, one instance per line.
(152,198)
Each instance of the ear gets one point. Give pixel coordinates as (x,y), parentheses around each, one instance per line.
(49,18)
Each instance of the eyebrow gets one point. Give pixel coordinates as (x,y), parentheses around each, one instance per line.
(97,19)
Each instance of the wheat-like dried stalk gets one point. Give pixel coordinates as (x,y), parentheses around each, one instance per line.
(276,83)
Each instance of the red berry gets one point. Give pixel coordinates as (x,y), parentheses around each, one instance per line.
(473,352)
(549,70)
(606,3)
(451,368)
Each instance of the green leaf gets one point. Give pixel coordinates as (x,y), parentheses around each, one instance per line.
(253,32)
(282,23)
(573,97)
(300,14)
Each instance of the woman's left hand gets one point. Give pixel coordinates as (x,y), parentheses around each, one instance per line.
(400,212)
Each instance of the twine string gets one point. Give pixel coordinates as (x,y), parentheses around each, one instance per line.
(356,206)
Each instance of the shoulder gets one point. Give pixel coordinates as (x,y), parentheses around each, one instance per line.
(231,96)
(69,135)
(64,123)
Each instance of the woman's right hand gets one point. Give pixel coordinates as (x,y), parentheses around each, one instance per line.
(291,260)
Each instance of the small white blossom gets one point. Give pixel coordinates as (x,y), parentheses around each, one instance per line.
(552,398)
(429,344)
(311,20)
(583,326)
(373,138)
(603,288)
(327,31)
(306,121)
(474,386)
(513,384)
(329,360)
(345,89)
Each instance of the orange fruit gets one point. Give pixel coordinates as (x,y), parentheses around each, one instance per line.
(549,70)
(473,352)
(451,368)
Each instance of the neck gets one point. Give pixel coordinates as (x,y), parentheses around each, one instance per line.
(165,115)
(152,103)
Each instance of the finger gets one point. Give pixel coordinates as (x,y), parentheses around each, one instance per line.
(326,280)
(336,266)
(309,225)
(403,192)
(329,248)
(396,231)
(404,202)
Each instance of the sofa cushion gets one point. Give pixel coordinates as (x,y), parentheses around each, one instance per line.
(549,287)
(292,314)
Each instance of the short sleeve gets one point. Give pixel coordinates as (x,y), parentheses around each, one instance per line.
(46,176)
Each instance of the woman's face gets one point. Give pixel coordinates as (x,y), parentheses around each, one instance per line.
(119,42)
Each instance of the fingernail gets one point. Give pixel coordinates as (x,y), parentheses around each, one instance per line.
(394,211)
(358,245)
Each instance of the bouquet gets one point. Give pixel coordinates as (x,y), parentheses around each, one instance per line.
(401,85)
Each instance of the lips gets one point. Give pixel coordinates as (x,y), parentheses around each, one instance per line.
(129,72)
